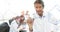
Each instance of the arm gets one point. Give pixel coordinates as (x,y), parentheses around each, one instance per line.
(30,24)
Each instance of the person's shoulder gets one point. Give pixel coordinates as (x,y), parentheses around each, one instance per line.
(34,16)
(48,15)
(52,18)
(14,21)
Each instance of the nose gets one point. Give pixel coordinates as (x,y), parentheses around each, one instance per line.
(38,9)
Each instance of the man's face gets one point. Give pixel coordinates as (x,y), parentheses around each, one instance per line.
(39,8)
(20,18)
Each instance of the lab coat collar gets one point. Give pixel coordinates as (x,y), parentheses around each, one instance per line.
(37,16)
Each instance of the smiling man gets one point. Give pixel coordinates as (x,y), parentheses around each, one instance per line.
(42,22)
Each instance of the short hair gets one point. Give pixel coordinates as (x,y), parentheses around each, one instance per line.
(39,2)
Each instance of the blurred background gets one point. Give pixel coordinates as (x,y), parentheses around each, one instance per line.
(12,8)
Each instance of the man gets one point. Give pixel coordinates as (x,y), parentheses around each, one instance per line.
(42,22)
(18,24)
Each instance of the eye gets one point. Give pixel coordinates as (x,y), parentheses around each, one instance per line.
(39,6)
(36,7)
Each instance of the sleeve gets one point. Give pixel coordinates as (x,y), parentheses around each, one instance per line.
(58,26)
(27,27)
(53,22)
(13,27)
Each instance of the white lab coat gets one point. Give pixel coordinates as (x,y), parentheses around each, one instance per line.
(44,24)
(58,26)
(14,25)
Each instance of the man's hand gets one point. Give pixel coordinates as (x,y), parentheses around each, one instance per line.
(20,28)
(30,24)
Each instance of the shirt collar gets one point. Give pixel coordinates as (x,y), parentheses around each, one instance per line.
(37,16)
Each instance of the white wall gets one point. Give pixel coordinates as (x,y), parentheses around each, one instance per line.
(12,8)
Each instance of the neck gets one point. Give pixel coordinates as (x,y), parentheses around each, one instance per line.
(41,15)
